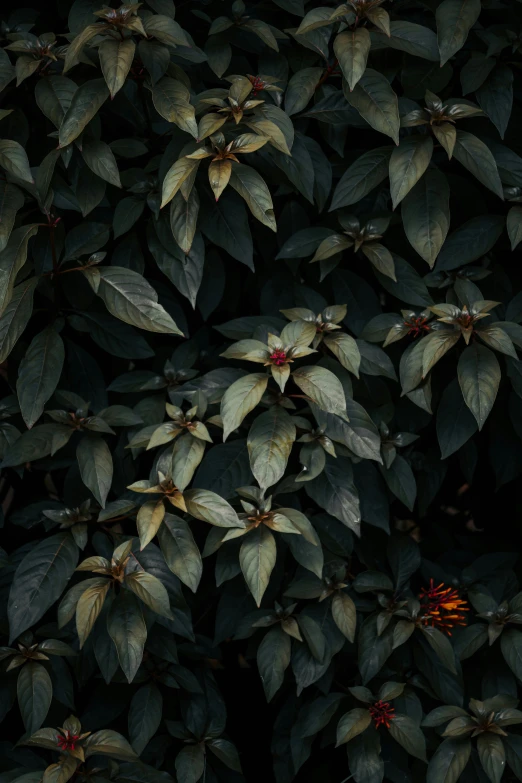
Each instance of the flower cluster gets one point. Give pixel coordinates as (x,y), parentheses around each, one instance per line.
(442,607)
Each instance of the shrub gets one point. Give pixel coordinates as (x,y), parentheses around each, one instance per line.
(260,307)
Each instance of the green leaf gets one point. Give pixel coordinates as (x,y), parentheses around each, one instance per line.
(85,104)
(186,456)
(34,691)
(180,551)
(101,161)
(88,609)
(172,100)
(426,216)
(95,463)
(253,189)
(352,724)
(377,103)
(344,614)
(12,260)
(270,442)
(273,658)
(442,647)
(495,97)
(128,631)
(115,60)
(335,491)
(449,760)
(144,716)
(514,226)
(39,374)
(13,158)
(109,743)
(301,88)
(16,316)
(455,422)
(401,481)
(241,398)
(257,558)
(408,163)
(39,581)
(322,387)
(479,379)
(210,507)
(359,179)
(455,18)
(190,763)
(407,733)
(351,49)
(492,755)
(470,241)
(151,591)
(374,650)
(511,646)
(476,158)
(11,201)
(129,297)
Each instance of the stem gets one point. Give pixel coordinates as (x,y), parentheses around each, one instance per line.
(141,91)
(327,73)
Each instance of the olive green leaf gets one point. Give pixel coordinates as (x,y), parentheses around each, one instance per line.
(85,104)
(172,100)
(479,378)
(377,103)
(408,163)
(116,60)
(257,558)
(426,215)
(39,374)
(240,398)
(322,387)
(128,631)
(351,49)
(270,441)
(476,157)
(12,259)
(13,158)
(344,614)
(95,463)
(273,658)
(448,761)
(455,18)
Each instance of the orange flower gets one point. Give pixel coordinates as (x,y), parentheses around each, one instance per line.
(382,713)
(442,607)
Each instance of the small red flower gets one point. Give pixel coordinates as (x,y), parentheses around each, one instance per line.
(382,713)
(417,325)
(68,741)
(278,358)
(442,607)
(257,85)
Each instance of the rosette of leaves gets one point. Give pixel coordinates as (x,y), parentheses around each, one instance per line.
(34,687)
(75,747)
(127,588)
(361,726)
(478,368)
(34,53)
(364,239)
(487,721)
(258,551)
(502,621)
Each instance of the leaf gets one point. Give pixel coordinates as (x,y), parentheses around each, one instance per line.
(322,387)
(511,646)
(110,743)
(115,60)
(479,379)
(240,398)
(359,179)
(514,226)
(407,733)
(88,609)
(492,755)
(129,297)
(448,761)
(253,189)
(344,614)
(95,462)
(128,631)
(85,104)
(273,658)
(401,481)
(374,650)
(11,201)
(495,97)
(257,558)
(426,215)
(172,100)
(269,443)
(455,422)
(300,89)
(408,163)
(470,241)
(180,550)
(352,723)
(13,158)
(210,507)
(12,260)
(476,158)
(151,591)
(190,763)
(39,374)
(100,159)
(144,716)
(351,49)
(34,691)
(16,316)
(39,581)
(455,18)
(377,103)
(335,491)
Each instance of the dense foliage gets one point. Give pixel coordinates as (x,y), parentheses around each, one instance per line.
(260,313)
